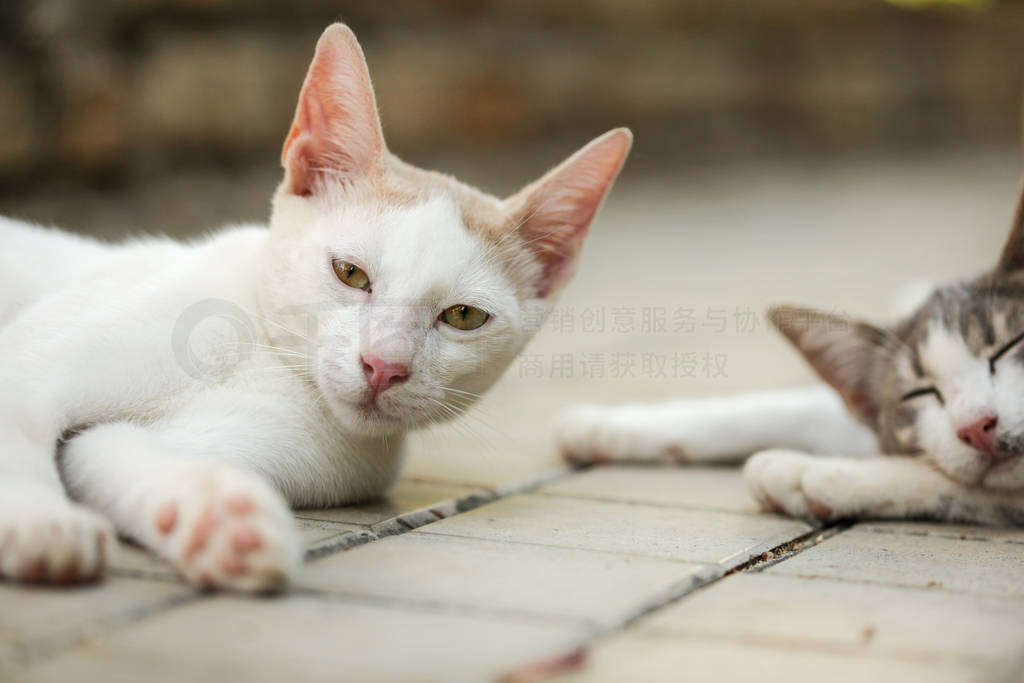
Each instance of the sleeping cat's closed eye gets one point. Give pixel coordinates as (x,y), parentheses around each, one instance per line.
(916,393)
(1002,351)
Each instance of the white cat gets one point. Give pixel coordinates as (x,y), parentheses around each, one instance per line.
(198,390)
(941,392)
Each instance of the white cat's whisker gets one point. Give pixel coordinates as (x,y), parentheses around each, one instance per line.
(278,324)
(461,391)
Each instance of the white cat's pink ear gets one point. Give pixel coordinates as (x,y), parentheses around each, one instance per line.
(1012,257)
(845,353)
(336,135)
(553,214)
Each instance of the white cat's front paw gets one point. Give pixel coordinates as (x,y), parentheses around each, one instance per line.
(225,528)
(594,434)
(50,540)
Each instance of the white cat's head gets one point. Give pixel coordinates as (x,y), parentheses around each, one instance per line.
(414,291)
(946,382)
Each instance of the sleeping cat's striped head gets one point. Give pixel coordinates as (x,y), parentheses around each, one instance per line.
(947,381)
(424,289)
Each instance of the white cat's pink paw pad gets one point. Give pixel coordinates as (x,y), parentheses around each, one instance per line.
(229,530)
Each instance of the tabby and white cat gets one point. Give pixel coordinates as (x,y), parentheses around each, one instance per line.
(941,392)
(197,390)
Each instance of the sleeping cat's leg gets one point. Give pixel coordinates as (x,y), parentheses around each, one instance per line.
(712,430)
(894,487)
(219,524)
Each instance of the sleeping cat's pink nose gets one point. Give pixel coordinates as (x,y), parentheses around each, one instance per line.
(383,374)
(979,433)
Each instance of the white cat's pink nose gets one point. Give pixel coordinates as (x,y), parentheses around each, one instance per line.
(979,433)
(383,374)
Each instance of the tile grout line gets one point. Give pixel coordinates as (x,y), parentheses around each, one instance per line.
(36,650)
(576,549)
(687,587)
(757,563)
(441,606)
(823,647)
(414,519)
(51,646)
(752,512)
(938,588)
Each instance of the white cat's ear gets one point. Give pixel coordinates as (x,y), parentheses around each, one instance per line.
(554,213)
(847,354)
(1012,257)
(336,135)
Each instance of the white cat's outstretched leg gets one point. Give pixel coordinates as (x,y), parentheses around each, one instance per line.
(894,487)
(712,430)
(221,526)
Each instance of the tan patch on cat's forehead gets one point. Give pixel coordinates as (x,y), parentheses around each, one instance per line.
(481,213)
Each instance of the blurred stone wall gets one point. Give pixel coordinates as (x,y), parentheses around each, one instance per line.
(99,91)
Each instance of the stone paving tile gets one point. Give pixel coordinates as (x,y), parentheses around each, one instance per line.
(973,565)
(131,560)
(959,531)
(802,612)
(36,620)
(666,532)
(314,531)
(305,638)
(317,536)
(599,587)
(407,497)
(710,488)
(652,658)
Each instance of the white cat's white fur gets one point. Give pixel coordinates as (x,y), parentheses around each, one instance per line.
(202,388)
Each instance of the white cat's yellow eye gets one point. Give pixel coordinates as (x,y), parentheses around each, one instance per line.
(463,317)
(351,275)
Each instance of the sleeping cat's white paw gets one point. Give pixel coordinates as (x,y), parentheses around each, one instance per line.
(809,487)
(774,479)
(593,434)
(225,528)
(47,539)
